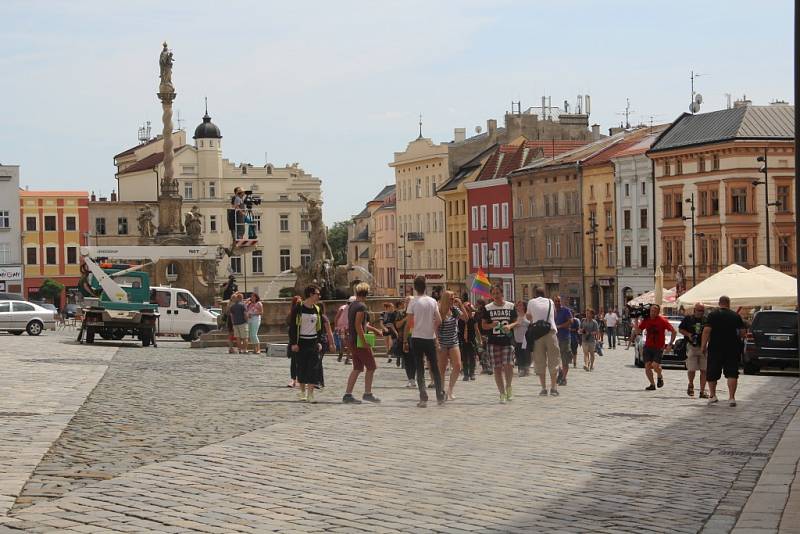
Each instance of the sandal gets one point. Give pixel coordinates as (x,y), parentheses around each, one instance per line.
(690,390)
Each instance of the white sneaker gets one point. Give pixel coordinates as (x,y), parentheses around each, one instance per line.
(411,384)
(712,400)
(732,403)
(301,396)
(310,397)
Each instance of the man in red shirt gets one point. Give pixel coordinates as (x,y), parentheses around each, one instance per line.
(656,326)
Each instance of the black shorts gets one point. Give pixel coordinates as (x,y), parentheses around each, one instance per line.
(722,361)
(650,354)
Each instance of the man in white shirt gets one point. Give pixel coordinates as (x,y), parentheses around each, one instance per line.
(611,318)
(546,355)
(423,321)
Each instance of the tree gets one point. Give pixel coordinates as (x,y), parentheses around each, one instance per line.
(337,239)
(51,290)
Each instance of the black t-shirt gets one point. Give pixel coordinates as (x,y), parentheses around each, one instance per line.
(354,308)
(388,318)
(725,325)
(504,314)
(694,325)
(469,327)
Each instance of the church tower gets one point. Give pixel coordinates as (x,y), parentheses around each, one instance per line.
(208,142)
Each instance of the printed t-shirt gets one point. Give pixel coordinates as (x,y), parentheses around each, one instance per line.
(505,314)
(655,329)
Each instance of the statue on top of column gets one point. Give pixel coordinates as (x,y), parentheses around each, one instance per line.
(165,62)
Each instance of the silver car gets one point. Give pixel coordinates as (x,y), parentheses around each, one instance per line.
(17,316)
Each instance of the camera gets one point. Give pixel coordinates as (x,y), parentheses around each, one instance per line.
(251,200)
(639,312)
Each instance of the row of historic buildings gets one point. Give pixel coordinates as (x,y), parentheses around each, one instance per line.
(41,231)
(552,203)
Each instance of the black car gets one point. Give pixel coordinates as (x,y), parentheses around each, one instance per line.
(771,342)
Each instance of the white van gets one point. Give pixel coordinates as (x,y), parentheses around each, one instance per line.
(180,313)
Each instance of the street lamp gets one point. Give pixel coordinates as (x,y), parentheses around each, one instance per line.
(767,203)
(405,255)
(593,232)
(690,201)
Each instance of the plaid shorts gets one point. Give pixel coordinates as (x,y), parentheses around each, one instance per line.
(500,355)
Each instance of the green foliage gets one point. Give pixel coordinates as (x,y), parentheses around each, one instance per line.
(51,290)
(337,238)
(286,292)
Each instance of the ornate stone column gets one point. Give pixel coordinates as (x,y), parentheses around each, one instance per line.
(169,200)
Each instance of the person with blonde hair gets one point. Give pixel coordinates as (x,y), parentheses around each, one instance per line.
(451,309)
(358,315)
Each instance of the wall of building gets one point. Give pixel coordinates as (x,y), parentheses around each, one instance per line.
(384,243)
(53,251)
(11,271)
(597,194)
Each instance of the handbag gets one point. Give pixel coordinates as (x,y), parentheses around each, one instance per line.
(539,328)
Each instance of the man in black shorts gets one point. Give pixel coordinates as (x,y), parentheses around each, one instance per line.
(722,341)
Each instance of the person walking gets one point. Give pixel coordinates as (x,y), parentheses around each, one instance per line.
(722,339)
(305,337)
(590,335)
(341,331)
(255,309)
(238,316)
(404,343)
(483,353)
(522,351)
(362,355)
(655,326)
(546,357)
(387,328)
(696,360)
(563,319)
(574,339)
(469,337)
(450,310)
(499,319)
(612,320)
(423,321)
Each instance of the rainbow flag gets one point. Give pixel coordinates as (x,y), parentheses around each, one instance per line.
(481,285)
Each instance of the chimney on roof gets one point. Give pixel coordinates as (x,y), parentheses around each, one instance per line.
(113,196)
(459,134)
(595,132)
(743,102)
(615,130)
(93,197)
(491,126)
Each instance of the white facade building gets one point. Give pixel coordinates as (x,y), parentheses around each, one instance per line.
(10,233)
(207,180)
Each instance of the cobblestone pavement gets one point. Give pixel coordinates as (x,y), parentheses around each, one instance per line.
(197,440)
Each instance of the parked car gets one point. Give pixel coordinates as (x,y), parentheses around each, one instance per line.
(17,316)
(181,313)
(47,306)
(11,296)
(674,357)
(771,341)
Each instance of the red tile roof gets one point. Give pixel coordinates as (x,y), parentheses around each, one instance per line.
(147,163)
(37,194)
(508,158)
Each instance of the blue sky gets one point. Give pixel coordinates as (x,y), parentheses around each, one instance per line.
(337,86)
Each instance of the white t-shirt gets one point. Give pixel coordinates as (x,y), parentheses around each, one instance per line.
(537,309)
(611,319)
(424,309)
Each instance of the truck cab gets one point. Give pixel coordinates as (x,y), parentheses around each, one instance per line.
(180,313)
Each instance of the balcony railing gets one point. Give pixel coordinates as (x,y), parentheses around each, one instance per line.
(415,236)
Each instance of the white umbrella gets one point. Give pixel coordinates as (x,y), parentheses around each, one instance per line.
(658,297)
(650,298)
(745,288)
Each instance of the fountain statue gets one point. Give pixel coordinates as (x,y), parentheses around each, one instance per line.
(321,270)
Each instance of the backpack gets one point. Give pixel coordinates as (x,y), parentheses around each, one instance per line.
(539,328)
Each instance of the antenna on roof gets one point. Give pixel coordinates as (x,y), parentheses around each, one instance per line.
(697,98)
(518,106)
(627,113)
(727,101)
(420,126)
(179,120)
(206,99)
(144,133)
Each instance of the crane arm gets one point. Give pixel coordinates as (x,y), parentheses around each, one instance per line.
(154,253)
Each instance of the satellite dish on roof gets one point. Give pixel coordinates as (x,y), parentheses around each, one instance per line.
(478,129)
(698,98)
(694,107)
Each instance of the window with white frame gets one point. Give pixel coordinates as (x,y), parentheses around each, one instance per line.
(188,190)
(484,254)
(495,215)
(284,223)
(5,253)
(257,222)
(305,257)
(506,254)
(305,225)
(483,217)
(476,254)
(549,246)
(212,223)
(5,219)
(558,246)
(285,259)
(212,189)
(258,261)
(236,264)
(496,254)
(504,215)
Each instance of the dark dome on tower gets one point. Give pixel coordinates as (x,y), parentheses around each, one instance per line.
(207,129)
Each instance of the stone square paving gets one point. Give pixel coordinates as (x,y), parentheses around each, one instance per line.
(124,439)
